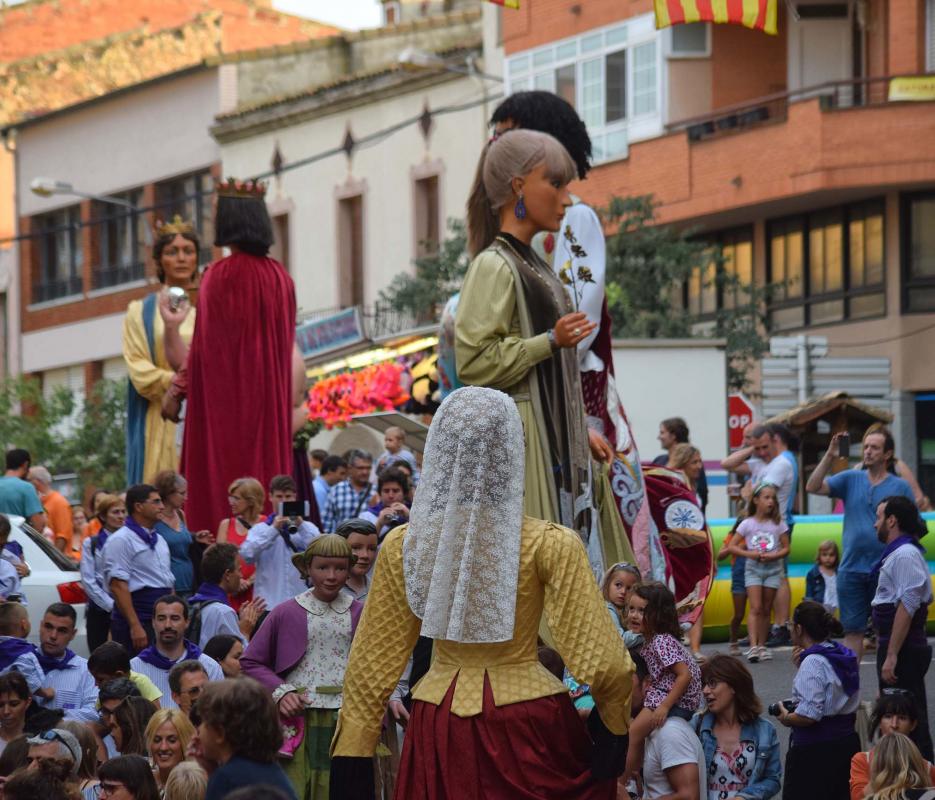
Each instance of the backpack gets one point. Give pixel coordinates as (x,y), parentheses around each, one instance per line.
(193,631)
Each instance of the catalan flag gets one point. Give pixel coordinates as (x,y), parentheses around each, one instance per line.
(756,14)
(505,3)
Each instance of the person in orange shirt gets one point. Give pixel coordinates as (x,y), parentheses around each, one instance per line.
(895,712)
(57,510)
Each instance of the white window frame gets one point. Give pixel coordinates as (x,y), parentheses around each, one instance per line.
(536,69)
(705,53)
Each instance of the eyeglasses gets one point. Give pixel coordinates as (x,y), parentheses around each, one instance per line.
(111,787)
(895,691)
(193,692)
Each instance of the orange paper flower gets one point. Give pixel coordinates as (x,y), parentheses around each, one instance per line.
(336,400)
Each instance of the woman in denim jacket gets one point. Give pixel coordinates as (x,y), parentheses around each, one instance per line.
(741,748)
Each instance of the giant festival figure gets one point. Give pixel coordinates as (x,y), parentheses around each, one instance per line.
(238,376)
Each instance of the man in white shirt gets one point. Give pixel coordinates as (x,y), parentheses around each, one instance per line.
(170,619)
(137,569)
(900,608)
(673,759)
(270,545)
(65,672)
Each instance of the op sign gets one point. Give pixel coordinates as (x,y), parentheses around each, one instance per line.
(739,415)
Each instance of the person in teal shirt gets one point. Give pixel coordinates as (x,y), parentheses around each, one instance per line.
(17,495)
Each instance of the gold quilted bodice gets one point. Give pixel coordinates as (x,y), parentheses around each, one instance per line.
(554,577)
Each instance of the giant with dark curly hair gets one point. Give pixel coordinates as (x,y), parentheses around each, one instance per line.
(549,113)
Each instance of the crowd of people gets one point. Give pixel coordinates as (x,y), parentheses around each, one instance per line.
(366,626)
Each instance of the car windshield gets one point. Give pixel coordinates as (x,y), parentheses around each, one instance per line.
(58,558)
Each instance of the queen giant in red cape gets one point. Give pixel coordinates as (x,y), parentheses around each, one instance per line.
(237,378)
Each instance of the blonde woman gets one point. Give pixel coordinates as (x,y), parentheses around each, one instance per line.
(188,781)
(898,771)
(168,735)
(687,458)
(246,497)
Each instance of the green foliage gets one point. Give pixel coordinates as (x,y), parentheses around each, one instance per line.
(437,277)
(305,434)
(86,438)
(647,265)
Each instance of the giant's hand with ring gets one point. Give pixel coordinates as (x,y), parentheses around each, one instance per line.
(572,328)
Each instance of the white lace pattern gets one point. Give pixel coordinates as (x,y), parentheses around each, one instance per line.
(461,552)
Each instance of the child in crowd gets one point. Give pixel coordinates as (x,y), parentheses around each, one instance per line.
(676,677)
(738,588)
(361,535)
(111,661)
(10,588)
(18,654)
(821,583)
(617,585)
(763,539)
(394,440)
(300,654)
(895,712)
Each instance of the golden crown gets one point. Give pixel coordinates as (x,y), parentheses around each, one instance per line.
(174,228)
(233,187)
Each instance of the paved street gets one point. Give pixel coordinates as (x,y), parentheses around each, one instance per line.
(773,679)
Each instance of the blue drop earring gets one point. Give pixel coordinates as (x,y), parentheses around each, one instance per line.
(520,209)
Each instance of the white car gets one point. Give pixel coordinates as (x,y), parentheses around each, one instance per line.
(53,578)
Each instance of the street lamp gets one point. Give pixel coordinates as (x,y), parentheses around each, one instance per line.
(413,58)
(46,187)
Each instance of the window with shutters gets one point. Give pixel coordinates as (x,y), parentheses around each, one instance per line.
(118,242)
(57,255)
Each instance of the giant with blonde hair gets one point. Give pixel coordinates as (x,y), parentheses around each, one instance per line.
(516,330)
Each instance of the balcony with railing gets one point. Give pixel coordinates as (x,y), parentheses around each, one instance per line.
(849,138)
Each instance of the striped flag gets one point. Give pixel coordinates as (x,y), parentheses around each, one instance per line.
(505,3)
(757,14)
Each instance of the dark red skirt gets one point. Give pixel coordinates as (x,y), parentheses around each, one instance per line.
(532,750)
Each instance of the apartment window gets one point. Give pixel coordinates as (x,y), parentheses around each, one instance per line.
(829,264)
(280,249)
(391,13)
(118,243)
(690,40)
(930,35)
(717,286)
(57,267)
(351,250)
(611,76)
(189,196)
(918,218)
(427,216)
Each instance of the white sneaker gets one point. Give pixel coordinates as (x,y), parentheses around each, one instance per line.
(765,654)
(753,655)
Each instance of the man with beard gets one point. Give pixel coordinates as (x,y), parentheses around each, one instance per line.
(170,619)
(900,608)
(862,490)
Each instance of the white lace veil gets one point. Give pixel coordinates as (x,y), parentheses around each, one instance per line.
(461,552)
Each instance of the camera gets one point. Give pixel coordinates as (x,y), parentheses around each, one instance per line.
(395,520)
(294,511)
(789,705)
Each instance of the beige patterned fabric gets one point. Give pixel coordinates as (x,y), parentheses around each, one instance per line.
(554,577)
(461,556)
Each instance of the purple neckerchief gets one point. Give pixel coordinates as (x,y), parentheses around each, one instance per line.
(152,656)
(150,537)
(209,592)
(842,660)
(892,547)
(11,648)
(15,548)
(50,663)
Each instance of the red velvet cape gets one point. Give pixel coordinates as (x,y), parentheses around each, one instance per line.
(238,418)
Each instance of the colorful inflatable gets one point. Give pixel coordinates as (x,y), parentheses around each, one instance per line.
(808,533)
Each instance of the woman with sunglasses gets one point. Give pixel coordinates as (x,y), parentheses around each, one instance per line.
(741,747)
(127,778)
